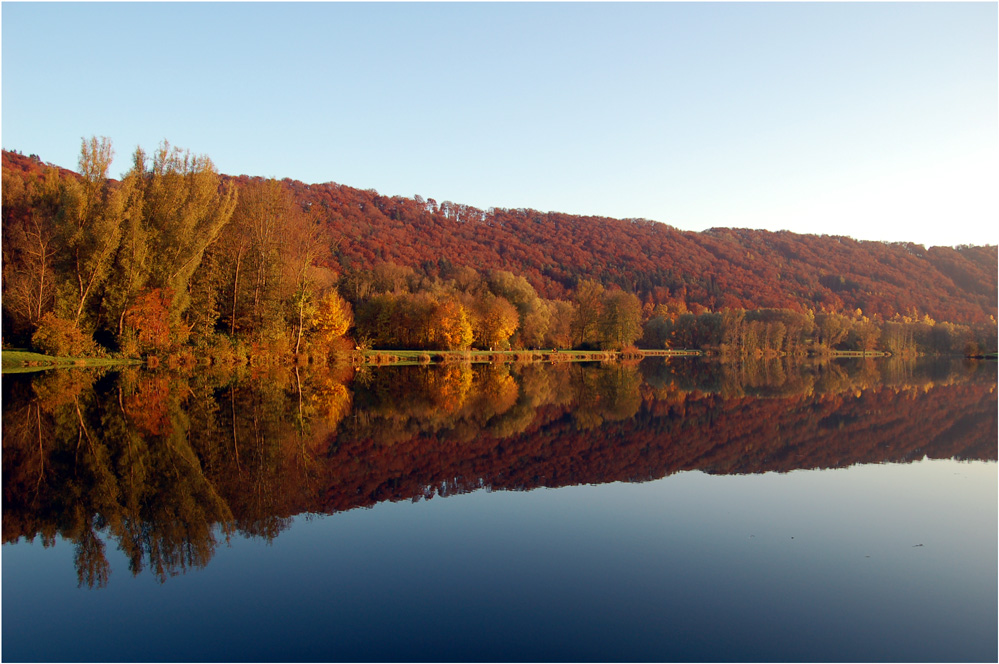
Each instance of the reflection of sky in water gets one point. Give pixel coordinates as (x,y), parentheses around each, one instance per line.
(809,565)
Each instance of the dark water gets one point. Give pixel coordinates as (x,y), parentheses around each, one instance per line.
(680,510)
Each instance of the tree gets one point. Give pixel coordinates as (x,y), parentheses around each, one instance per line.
(561,315)
(304,247)
(375,320)
(30,246)
(620,322)
(207,298)
(259,218)
(185,204)
(534,316)
(864,335)
(657,332)
(589,308)
(495,321)
(450,329)
(89,225)
(148,319)
(333,318)
(131,265)
(60,337)
(832,329)
(392,278)
(734,331)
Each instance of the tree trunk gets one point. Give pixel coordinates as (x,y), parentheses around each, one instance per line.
(235,290)
(301,310)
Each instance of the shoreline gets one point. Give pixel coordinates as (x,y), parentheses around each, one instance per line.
(20,361)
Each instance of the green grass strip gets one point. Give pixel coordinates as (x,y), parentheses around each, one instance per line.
(22,361)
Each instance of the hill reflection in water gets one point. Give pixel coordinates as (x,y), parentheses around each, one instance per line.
(166,465)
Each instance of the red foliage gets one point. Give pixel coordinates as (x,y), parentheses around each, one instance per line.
(149,317)
(719,268)
(712,270)
(32,165)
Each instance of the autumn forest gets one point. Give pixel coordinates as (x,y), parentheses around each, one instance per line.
(176,257)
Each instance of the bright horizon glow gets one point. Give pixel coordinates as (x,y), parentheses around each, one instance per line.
(876,121)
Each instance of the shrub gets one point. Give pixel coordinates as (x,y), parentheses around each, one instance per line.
(60,337)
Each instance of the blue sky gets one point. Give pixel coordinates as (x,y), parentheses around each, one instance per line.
(878,121)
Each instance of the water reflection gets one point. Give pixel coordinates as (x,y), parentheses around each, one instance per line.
(167,465)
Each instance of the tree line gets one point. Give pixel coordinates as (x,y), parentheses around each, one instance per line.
(176,255)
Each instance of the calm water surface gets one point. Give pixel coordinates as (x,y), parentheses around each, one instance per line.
(676,510)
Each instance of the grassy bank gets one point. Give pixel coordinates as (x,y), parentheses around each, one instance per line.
(858,353)
(406,357)
(22,361)
(19,361)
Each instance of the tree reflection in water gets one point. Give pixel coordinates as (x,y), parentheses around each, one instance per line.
(166,464)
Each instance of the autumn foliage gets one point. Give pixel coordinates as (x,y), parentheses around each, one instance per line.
(285,267)
(60,337)
(149,320)
(712,270)
(332,319)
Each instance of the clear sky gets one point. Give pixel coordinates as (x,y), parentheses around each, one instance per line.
(878,121)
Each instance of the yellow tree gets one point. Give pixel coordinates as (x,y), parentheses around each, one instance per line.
(332,319)
(534,315)
(132,262)
(449,326)
(185,204)
(90,227)
(497,320)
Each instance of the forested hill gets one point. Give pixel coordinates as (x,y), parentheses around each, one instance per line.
(712,270)
(715,269)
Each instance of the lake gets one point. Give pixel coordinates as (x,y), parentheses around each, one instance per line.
(672,509)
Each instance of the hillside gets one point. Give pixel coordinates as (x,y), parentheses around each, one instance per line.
(715,269)
(710,270)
